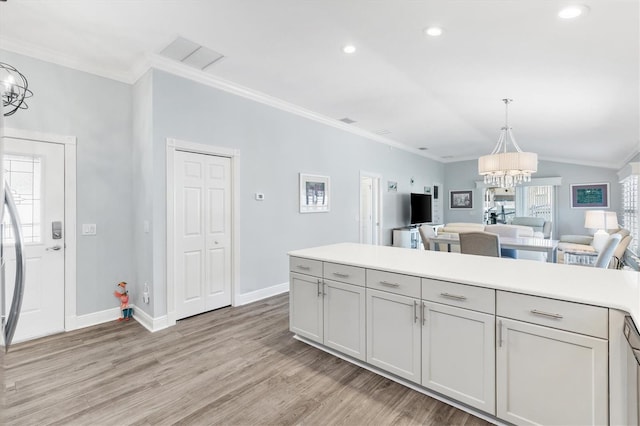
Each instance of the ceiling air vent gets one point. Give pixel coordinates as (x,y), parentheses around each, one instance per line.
(191,53)
(347,120)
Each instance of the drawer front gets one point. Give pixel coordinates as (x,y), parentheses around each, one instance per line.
(569,316)
(460,295)
(305,266)
(394,283)
(344,273)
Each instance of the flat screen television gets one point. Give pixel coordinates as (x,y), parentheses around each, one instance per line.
(420,208)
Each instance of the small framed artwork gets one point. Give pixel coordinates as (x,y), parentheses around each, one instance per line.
(461,200)
(590,195)
(314,193)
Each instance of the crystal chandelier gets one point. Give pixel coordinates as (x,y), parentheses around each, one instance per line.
(507,169)
(15,89)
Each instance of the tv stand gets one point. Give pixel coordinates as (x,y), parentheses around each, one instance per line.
(409,237)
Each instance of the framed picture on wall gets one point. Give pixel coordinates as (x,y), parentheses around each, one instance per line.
(314,193)
(461,200)
(590,195)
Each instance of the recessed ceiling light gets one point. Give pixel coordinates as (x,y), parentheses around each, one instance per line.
(433,31)
(573,11)
(349,48)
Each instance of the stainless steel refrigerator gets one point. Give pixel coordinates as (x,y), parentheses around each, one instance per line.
(14,89)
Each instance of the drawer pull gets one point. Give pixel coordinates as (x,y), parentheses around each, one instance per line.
(388,284)
(338,274)
(453,296)
(304,268)
(415,312)
(546,314)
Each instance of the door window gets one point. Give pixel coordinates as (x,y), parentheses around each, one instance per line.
(23,173)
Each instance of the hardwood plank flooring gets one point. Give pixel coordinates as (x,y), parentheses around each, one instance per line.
(233,366)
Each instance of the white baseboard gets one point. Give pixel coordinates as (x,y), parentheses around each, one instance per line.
(94,318)
(263,293)
(155,324)
(148,322)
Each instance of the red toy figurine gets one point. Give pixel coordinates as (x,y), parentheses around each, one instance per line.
(123,295)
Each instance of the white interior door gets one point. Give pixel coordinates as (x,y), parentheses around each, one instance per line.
(203,232)
(369,209)
(35,172)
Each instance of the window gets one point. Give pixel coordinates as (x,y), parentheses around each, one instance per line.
(24,176)
(630,209)
(535,201)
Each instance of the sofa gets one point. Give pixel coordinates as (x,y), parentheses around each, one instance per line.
(538,224)
(582,243)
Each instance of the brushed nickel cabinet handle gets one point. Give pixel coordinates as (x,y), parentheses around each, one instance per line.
(546,314)
(424,316)
(453,296)
(338,274)
(304,268)
(415,312)
(388,284)
(499,334)
(319,290)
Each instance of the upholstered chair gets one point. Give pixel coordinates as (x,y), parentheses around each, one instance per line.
(426,232)
(480,243)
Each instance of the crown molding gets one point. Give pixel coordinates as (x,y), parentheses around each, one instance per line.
(48,55)
(163,64)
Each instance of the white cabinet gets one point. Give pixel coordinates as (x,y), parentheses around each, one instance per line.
(458,354)
(344,318)
(393,333)
(327,311)
(305,306)
(407,238)
(548,370)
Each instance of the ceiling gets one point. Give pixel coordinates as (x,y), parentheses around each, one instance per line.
(575,83)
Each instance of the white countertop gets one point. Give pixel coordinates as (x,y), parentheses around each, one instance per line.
(600,287)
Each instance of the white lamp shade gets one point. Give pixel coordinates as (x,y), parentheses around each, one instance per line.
(600,219)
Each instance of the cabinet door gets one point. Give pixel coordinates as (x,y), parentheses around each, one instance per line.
(550,376)
(305,306)
(344,318)
(393,333)
(458,354)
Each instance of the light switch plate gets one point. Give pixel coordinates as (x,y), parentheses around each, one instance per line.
(89,229)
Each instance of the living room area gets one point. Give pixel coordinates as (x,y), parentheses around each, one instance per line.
(556,213)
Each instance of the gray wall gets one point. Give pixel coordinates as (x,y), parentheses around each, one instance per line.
(463,175)
(275,146)
(98,112)
(142,202)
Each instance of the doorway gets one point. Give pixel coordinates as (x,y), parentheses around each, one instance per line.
(370,208)
(40,169)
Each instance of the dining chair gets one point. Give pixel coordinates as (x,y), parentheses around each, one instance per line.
(426,232)
(605,255)
(480,243)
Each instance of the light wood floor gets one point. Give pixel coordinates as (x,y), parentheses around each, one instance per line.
(236,366)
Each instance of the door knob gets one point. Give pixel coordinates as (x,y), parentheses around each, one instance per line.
(54,248)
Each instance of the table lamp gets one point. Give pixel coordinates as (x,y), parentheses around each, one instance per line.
(600,220)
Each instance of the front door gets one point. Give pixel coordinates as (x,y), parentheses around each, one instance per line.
(203,232)
(35,173)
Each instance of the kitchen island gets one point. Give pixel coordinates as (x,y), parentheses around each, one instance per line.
(510,340)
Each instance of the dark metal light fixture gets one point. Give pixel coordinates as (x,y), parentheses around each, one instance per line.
(14,87)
